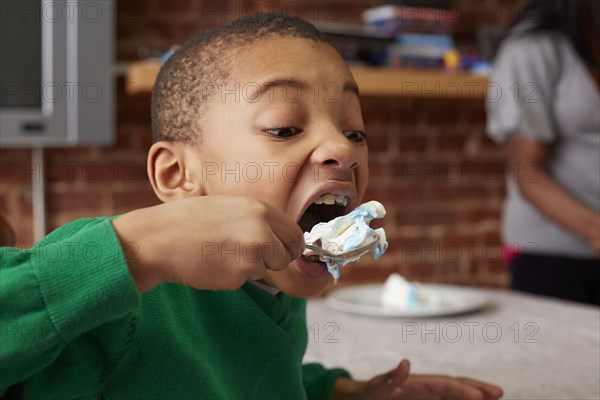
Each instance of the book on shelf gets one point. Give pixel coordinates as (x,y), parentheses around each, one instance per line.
(359,44)
(406,17)
(420,50)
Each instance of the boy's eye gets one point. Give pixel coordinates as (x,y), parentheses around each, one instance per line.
(356,136)
(283,132)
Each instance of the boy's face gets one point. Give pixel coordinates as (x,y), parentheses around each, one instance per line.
(298,139)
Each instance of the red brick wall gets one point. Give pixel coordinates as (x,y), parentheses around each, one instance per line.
(439,177)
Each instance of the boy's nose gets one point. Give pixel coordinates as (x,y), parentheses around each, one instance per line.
(335,151)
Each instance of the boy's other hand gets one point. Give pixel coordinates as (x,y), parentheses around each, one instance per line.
(209,242)
(399,384)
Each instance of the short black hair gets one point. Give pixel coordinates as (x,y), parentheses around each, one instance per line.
(180,94)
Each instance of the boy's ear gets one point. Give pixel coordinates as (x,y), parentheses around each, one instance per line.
(167,170)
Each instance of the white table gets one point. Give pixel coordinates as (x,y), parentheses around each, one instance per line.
(534,347)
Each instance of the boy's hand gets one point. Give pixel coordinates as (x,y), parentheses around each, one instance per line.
(398,384)
(209,242)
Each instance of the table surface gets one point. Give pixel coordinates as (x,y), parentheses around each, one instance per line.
(534,347)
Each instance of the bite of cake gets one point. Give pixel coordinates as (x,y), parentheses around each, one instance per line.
(347,233)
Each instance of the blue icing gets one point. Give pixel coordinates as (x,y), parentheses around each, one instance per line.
(333,269)
(360,213)
(378,250)
(411,297)
(358,236)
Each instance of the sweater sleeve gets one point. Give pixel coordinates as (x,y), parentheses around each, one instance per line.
(69,283)
(522,90)
(318,380)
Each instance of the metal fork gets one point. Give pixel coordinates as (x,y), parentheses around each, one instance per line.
(341,256)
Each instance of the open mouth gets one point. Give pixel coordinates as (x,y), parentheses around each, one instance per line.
(323,209)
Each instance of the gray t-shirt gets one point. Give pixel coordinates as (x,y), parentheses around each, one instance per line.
(542,90)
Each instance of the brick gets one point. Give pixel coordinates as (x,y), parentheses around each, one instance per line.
(133,109)
(394,194)
(482,171)
(130,19)
(177,7)
(354,273)
(88,201)
(409,117)
(377,118)
(378,174)
(70,169)
(130,7)
(143,140)
(425,218)
(123,171)
(474,215)
(177,32)
(3,204)
(423,172)
(447,192)
(453,143)
(16,172)
(378,144)
(477,117)
(15,154)
(411,143)
(431,251)
(127,168)
(460,239)
(23,228)
(448,272)
(72,153)
(443,116)
(420,271)
(133,137)
(22,198)
(498,266)
(132,200)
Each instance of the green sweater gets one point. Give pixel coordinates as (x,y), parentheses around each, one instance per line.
(72,325)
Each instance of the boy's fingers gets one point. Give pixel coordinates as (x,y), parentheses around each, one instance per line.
(288,234)
(447,387)
(275,256)
(395,377)
(489,390)
(462,390)
(458,389)
(399,375)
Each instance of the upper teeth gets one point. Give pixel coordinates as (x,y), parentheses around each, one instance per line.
(331,199)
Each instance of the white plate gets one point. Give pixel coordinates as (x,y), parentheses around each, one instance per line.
(364,300)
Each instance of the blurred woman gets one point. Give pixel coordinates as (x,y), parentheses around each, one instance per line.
(546,111)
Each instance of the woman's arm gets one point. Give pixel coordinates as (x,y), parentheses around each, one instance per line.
(546,194)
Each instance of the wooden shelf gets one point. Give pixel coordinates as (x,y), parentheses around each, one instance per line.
(373,82)
(387,82)
(140,76)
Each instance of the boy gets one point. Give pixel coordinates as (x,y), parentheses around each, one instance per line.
(218,265)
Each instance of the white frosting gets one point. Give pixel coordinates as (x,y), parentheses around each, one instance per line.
(348,232)
(398,293)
